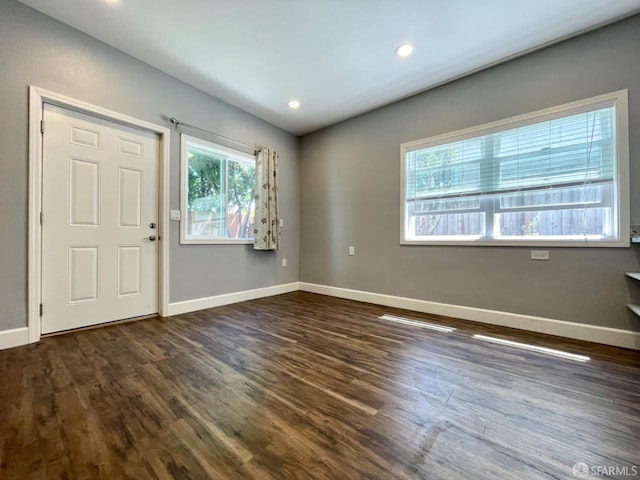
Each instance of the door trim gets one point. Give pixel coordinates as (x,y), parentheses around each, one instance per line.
(37,98)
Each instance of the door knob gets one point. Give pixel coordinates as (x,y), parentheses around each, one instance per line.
(152,238)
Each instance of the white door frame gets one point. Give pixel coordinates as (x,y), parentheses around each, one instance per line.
(37,98)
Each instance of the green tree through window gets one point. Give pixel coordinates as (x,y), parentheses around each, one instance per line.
(220,187)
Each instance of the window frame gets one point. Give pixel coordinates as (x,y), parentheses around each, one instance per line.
(620,201)
(233,154)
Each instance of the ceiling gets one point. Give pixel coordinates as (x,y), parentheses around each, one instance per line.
(335,56)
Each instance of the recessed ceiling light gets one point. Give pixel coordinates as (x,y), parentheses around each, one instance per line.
(404,50)
(294,104)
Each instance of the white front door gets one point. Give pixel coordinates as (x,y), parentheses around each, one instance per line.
(100,209)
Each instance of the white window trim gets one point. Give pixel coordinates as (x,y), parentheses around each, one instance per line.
(184,186)
(619,98)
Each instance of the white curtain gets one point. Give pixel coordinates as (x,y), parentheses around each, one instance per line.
(267,221)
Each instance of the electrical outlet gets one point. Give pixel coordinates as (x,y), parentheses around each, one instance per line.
(352,250)
(175,215)
(284,262)
(539,254)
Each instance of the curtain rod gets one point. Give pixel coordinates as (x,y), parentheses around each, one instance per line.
(177,123)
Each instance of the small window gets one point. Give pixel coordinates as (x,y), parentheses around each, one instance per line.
(557,177)
(217,193)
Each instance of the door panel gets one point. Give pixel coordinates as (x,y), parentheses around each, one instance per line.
(84,193)
(100,196)
(83,274)
(129,270)
(84,136)
(129,198)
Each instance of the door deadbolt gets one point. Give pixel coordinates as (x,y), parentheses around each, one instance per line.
(152,225)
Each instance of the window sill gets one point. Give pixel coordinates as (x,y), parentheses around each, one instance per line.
(216,241)
(528,243)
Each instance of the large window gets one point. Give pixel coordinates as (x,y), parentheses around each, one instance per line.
(553,177)
(217,193)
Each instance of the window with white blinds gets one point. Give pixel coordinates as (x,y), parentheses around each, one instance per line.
(557,176)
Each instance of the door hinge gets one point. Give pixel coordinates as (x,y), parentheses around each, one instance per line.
(41,309)
(41,126)
(41,218)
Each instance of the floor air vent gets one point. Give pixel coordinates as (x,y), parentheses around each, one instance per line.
(417,323)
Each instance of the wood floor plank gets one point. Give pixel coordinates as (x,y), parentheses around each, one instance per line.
(304,386)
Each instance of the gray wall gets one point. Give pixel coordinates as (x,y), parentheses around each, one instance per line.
(350,184)
(36,50)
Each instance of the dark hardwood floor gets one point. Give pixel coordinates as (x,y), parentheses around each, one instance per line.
(303,386)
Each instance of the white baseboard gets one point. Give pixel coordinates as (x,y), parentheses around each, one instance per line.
(14,338)
(187,306)
(578,331)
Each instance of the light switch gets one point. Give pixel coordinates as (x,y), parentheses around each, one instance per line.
(175,215)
